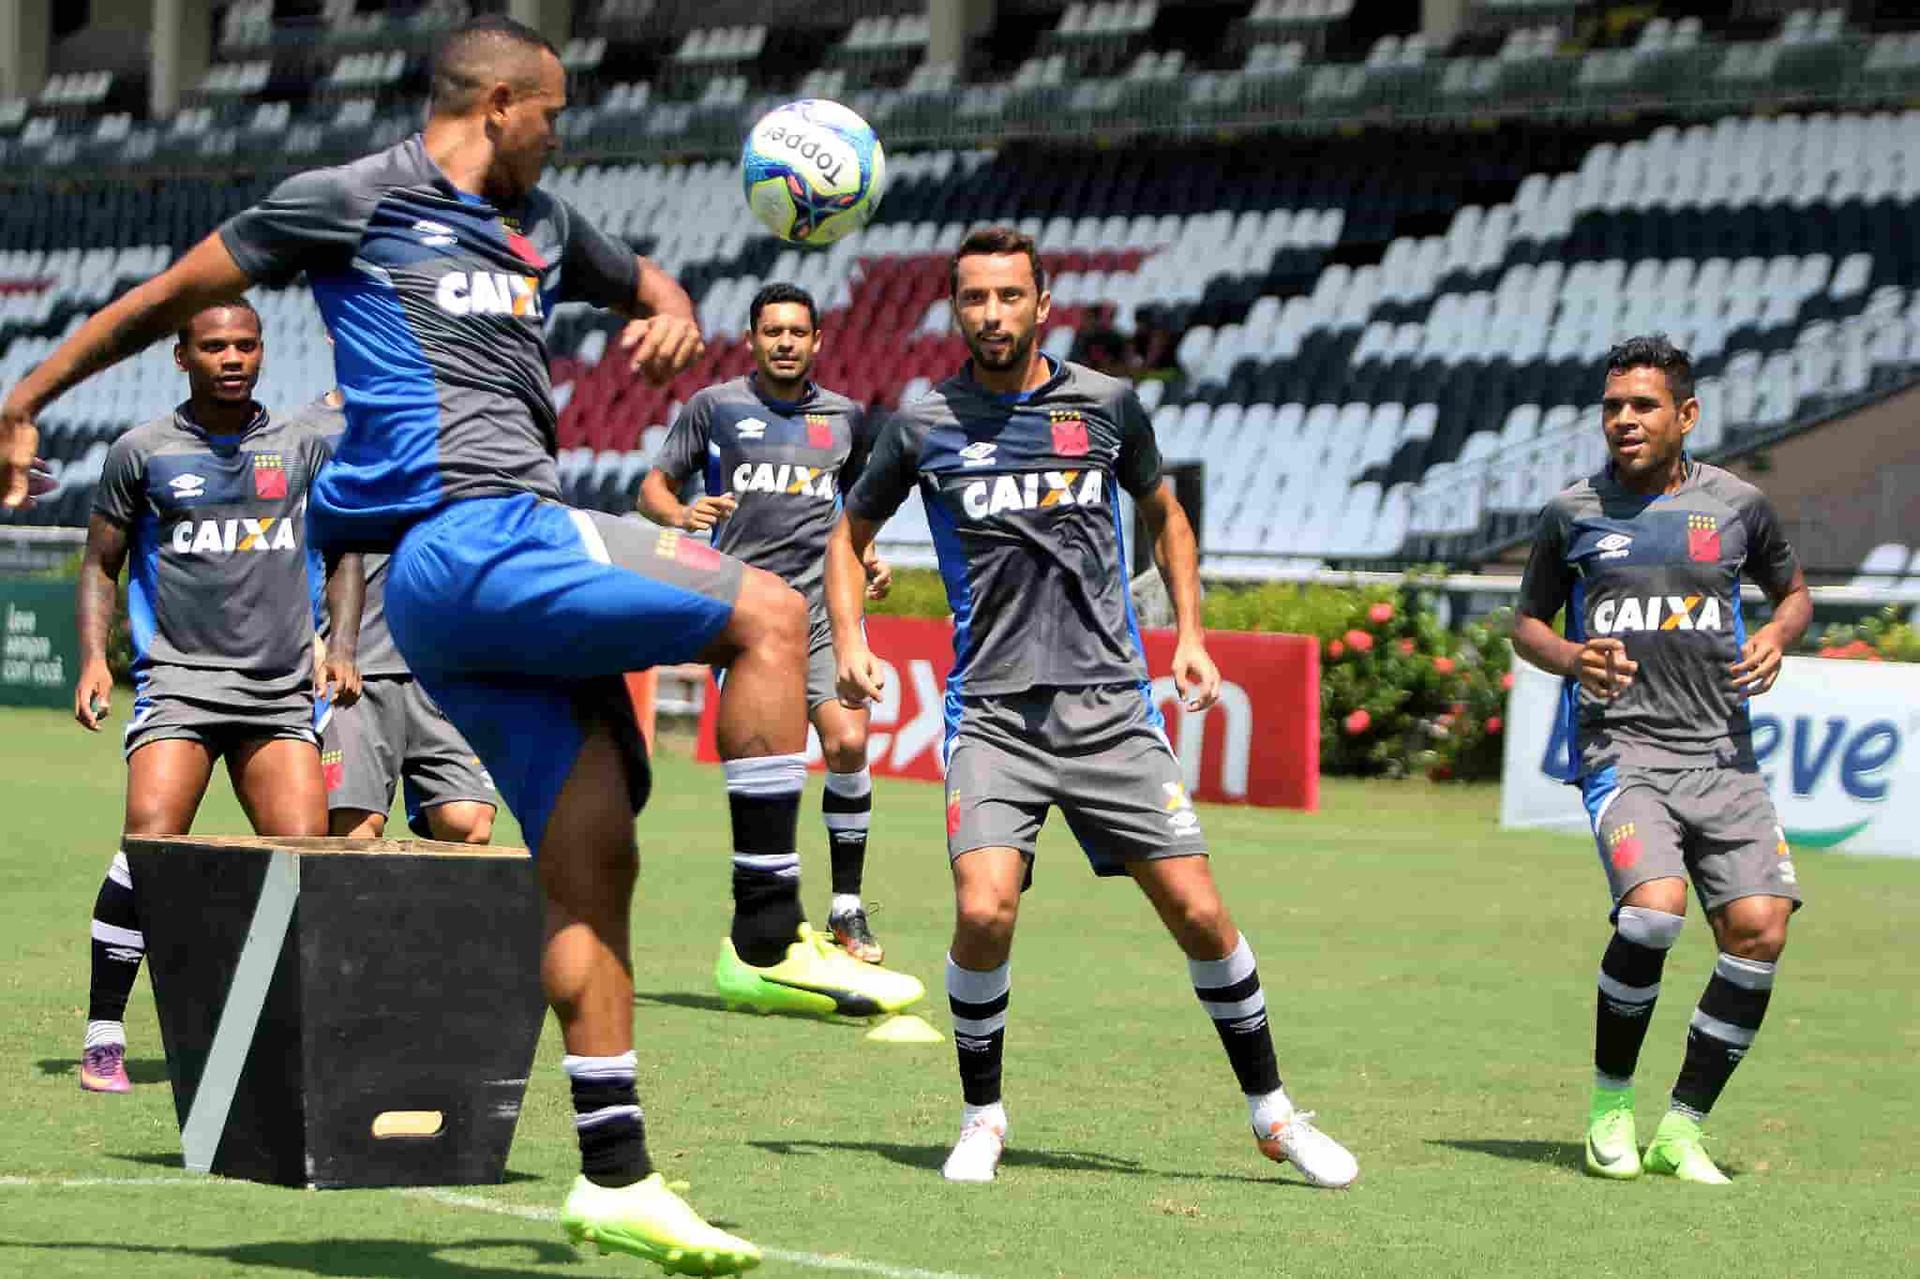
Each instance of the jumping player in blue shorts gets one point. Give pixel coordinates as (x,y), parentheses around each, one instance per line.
(434,264)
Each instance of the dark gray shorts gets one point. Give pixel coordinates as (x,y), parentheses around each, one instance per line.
(394,734)
(218,709)
(1099,754)
(1713,826)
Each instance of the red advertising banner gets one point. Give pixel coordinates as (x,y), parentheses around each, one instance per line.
(1260,745)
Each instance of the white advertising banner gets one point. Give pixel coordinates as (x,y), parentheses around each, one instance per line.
(1839,742)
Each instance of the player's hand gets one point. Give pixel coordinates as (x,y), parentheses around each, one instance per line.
(93,695)
(23,477)
(879,578)
(860,678)
(340,680)
(1758,667)
(707,512)
(662,346)
(1196,675)
(1604,668)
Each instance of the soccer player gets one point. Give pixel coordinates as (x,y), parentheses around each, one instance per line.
(434,263)
(1016,458)
(1646,557)
(394,733)
(206,505)
(777,451)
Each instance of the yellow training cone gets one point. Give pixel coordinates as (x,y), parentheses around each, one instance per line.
(905,1028)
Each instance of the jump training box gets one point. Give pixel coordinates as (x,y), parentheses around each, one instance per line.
(343,1013)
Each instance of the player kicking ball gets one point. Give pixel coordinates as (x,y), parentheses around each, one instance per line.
(206,505)
(1016,458)
(776,451)
(1646,556)
(434,263)
(394,736)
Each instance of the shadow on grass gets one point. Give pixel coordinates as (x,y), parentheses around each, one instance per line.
(331,1257)
(1562,1154)
(715,1004)
(140,1070)
(931,1157)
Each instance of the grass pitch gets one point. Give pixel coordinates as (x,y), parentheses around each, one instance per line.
(1430,979)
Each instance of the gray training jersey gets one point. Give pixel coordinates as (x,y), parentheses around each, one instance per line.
(435,300)
(219,575)
(785,464)
(1019,493)
(1663,575)
(376,653)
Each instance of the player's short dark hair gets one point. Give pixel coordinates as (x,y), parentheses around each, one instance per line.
(781,291)
(992,241)
(1654,351)
(477,54)
(225,304)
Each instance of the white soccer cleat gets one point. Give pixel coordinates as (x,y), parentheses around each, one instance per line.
(976,1156)
(1320,1159)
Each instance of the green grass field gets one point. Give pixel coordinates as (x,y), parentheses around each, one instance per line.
(1431,985)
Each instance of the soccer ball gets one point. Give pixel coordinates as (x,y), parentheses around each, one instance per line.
(813,171)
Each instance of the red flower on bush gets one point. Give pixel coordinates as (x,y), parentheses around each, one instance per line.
(1406,648)
(1441,773)
(1359,641)
(1494,725)
(1336,650)
(1443,665)
(1506,682)
(1357,723)
(1380,614)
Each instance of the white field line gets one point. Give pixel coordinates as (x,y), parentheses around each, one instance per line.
(454,1199)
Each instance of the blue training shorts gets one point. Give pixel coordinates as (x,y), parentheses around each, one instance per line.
(520,617)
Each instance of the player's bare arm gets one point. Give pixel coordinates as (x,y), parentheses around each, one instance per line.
(1601,664)
(97,598)
(346,594)
(128,325)
(1759,664)
(663,338)
(660,502)
(860,678)
(1177,556)
(879,573)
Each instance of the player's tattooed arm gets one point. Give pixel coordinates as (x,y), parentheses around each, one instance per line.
(1176,553)
(97,599)
(860,677)
(663,338)
(346,594)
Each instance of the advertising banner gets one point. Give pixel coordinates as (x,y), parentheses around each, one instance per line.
(1260,745)
(38,662)
(1835,739)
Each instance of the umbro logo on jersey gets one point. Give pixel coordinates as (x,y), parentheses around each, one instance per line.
(1614,545)
(434,235)
(1658,613)
(1030,492)
(228,537)
(979,453)
(751,429)
(786,477)
(489,293)
(186,486)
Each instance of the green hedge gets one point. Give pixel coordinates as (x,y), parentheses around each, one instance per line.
(1400,693)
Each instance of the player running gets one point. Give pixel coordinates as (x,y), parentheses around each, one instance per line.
(1646,557)
(1016,458)
(777,451)
(207,505)
(394,733)
(434,263)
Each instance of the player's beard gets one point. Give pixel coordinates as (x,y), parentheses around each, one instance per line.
(1016,354)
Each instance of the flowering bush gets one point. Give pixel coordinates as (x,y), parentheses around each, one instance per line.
(1883,637)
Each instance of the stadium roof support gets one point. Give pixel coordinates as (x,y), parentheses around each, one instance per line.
(951,24)
(25,30)
(551,18)
(178,48)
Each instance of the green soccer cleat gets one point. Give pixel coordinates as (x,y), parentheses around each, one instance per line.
(1677,1151)
(1612,1149)
(648,1220)
(815,978)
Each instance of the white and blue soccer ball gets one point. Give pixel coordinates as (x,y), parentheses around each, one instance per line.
(813,171)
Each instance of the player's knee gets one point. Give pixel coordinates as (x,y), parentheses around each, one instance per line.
(1202,926)
(480,829)
(986,915)
(1755,928)
(352,823)
(845,750)
(769,613)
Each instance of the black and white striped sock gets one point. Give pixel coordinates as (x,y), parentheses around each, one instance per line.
(1229,990)
(1629,984)
(763,794)
(1723,1028)
(118,946)
(846,806)
(978,1002)
(608,1120)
